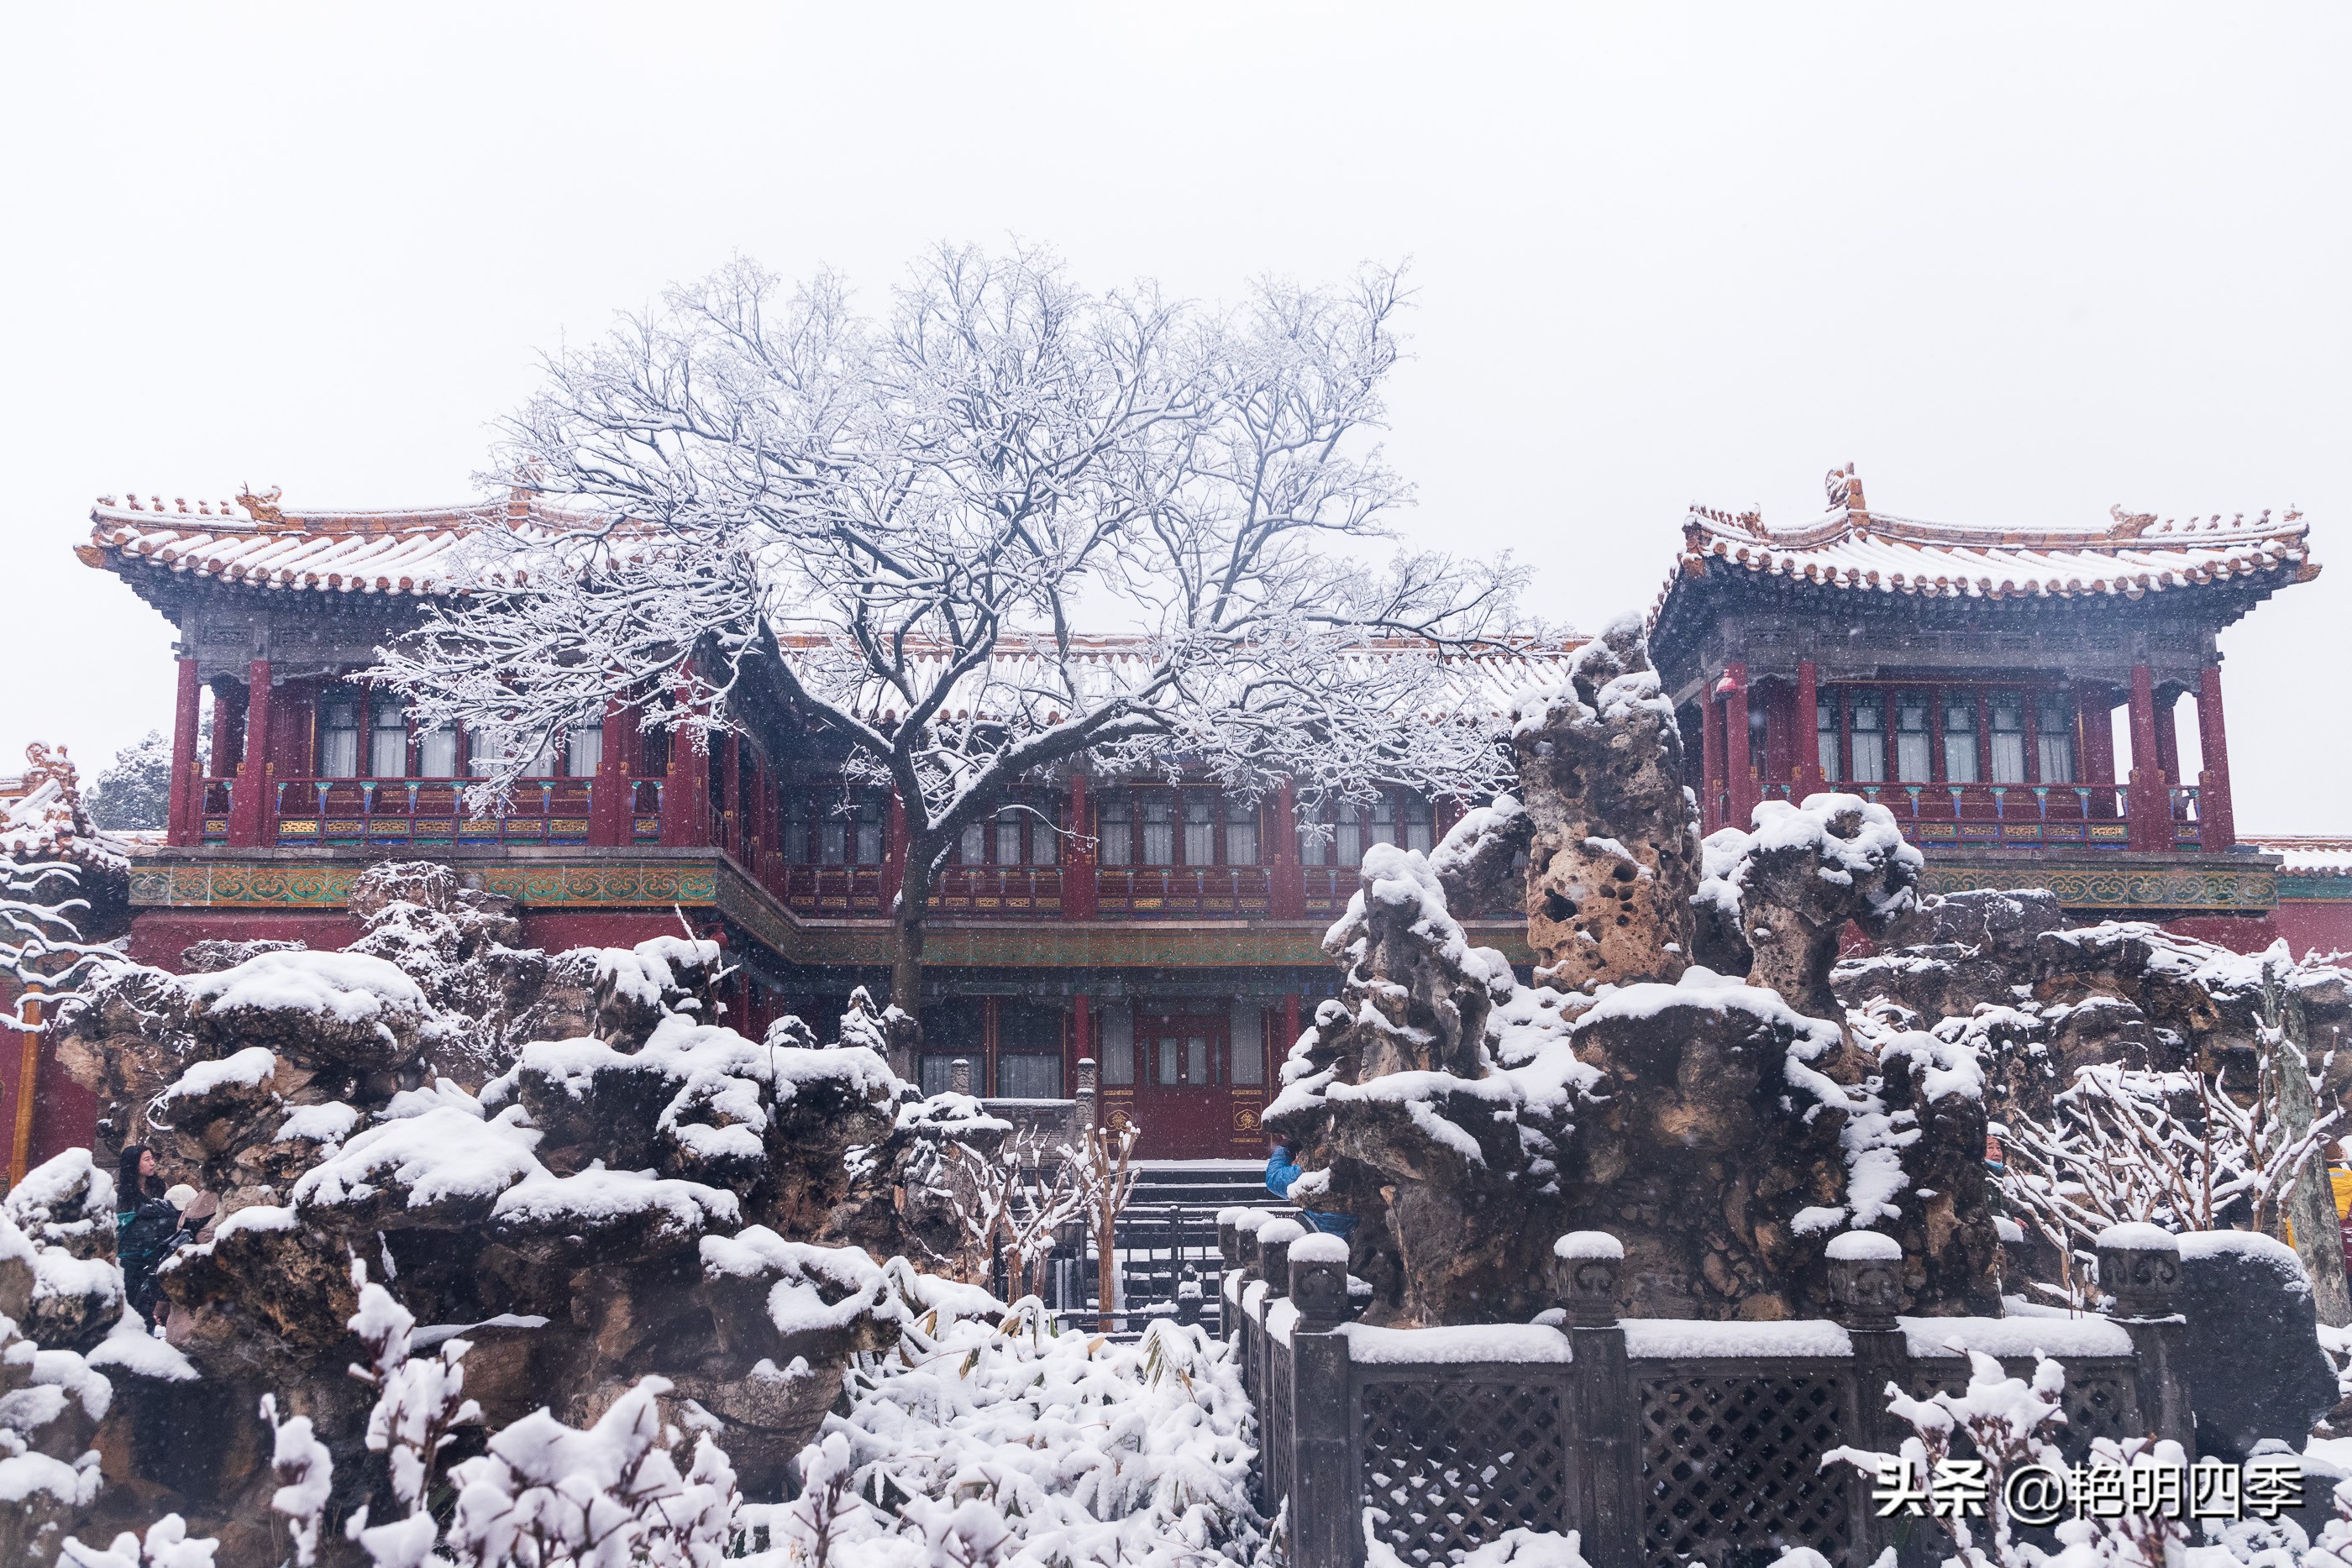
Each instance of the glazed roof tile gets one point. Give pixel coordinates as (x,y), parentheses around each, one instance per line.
(1853,547)
(411,552)
(417,553)
(2309,854)
(1484,684)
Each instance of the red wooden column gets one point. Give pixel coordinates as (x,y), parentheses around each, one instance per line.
(686,794)
(2151,817)
(228,732)
(184,822)
(2168,748)
(731,795)
(27,1094)
(1739,766)
(1779,767)
(1081,1042)
(1710,741)
(2217,824)
(1078,891)
(610,809)
(1806,731)
(771,827)
(1285,895)
(250,804)
(2098,748)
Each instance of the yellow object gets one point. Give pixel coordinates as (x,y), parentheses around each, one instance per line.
(2340,1181)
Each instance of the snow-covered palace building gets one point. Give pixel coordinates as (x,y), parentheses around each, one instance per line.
(1965,677)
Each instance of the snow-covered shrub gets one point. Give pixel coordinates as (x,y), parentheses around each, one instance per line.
(2008,1423)
(995,1438)
(1529,1549)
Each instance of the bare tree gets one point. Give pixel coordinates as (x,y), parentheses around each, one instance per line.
(910,518)
(1103,1167)
(2164,1148)
(1015,1197)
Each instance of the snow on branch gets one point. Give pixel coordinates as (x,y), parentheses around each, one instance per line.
(908,517)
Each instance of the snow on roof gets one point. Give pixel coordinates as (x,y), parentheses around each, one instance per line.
(1025,674)
(407,552)
(1850,546)
(418,553)
(2309,854)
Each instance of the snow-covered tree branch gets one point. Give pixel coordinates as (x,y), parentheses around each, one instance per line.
(911,517)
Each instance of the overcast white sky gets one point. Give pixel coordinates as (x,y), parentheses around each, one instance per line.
(2017,263)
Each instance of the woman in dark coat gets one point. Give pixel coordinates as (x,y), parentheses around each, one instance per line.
(147,1228)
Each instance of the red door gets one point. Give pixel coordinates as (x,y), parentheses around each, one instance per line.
(1182,1100)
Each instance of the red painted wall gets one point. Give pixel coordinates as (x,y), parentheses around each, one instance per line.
(2238,932)
(2322,926)
(159,936)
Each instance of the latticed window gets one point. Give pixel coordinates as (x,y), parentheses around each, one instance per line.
(388,739)
(1117,820)
(1241,831)
(848,832)
(1825,733)
(1200,828)
(1911,738)
(1159,831)
(1248,1053)
(1116,1045)
(436,752)
(2054,732)
(583,750)
(2008,737)
(1869,738)
(1028,1052)
(339,735)
(1348,836)
(971,845)
(1418,822)
(1960,738)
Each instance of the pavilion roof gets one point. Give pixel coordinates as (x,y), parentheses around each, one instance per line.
(417,553)
(1854,547)
(408,552)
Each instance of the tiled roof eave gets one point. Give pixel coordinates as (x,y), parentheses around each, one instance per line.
(1723,565)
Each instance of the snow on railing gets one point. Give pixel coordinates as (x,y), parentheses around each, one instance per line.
(1655,1440)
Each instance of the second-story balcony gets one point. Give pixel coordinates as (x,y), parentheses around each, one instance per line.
(426,813)
(2083,816)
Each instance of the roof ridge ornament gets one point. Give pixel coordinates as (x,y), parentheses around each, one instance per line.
(1845,488)
(2128,525)
(262,508)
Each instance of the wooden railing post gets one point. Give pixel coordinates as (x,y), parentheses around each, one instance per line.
(1867,1285)
(1604,1447)
(1325,1527)
(2140,1267)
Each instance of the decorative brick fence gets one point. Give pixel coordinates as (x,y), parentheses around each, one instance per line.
(1663,1442)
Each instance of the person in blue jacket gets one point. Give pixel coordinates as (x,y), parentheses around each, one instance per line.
(1281,1170)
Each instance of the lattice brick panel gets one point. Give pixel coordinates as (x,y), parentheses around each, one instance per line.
(1276,1409)
(1731,1466)
(2100,1400)
(1453,1465)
